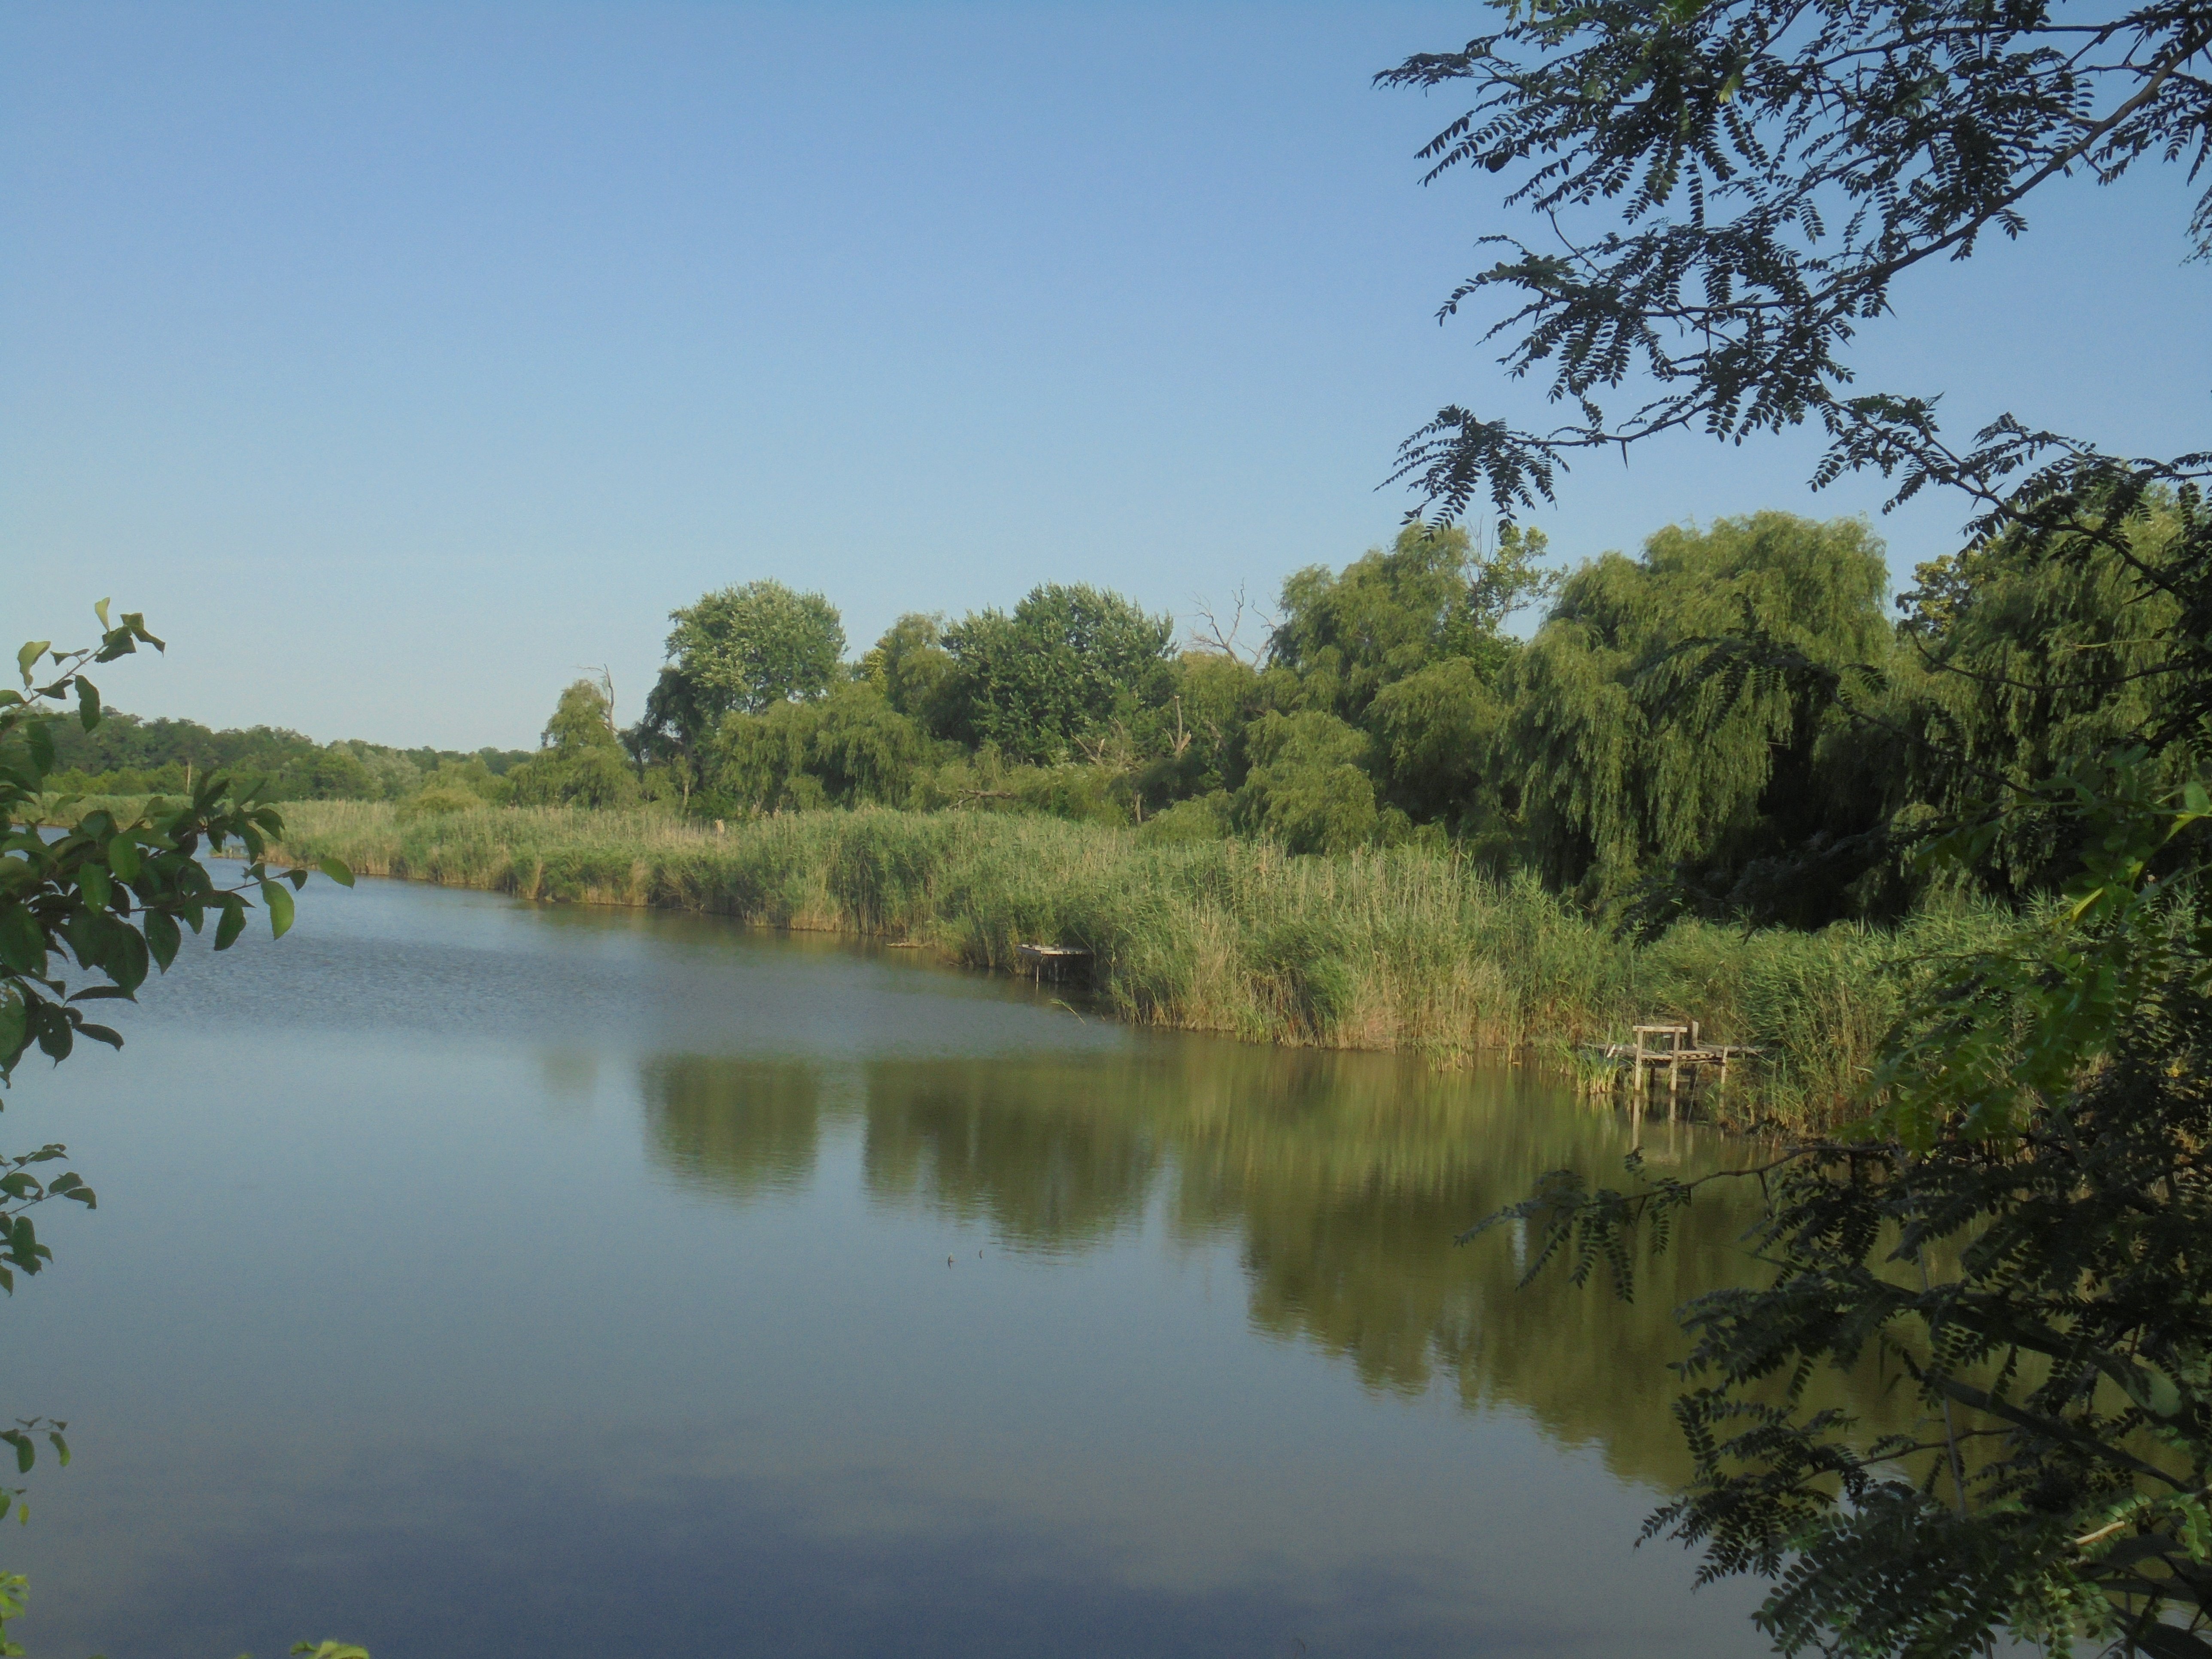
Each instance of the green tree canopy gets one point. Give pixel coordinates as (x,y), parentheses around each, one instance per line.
(910,667)
(750,646)
(848,748)
(1389,614)
(2042,657)
(1623,758)
(1308,787)
(738,650)
(580,760)
(1040,682)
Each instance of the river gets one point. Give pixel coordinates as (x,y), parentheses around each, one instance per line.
(474,1277)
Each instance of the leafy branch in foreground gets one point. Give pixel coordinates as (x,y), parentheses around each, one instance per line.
(1770,169)
(2018,1234)
(109,898)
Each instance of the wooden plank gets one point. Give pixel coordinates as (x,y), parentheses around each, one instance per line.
(1055,961)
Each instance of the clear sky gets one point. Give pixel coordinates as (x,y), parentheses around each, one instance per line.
(399,360)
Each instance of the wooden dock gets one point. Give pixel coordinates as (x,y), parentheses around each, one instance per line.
(1055,963)
(1676,1050)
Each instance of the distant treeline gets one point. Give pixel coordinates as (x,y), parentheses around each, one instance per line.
(125,755)
(1732,724)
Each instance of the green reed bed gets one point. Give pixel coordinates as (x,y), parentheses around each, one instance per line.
(1383,950)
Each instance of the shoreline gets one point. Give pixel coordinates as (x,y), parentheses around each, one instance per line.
(1392,950)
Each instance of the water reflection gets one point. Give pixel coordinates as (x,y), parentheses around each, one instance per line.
(740,1126)
(738,1401)
(1342,1179)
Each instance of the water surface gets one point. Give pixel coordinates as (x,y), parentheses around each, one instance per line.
(474,1277)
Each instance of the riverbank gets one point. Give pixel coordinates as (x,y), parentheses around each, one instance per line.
(1398,949)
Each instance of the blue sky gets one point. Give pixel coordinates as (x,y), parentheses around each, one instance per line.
(399,360)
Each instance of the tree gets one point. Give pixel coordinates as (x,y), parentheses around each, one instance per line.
(2016,1224)
(579,760)
(1040,682)
(1309,787)
(2039,660)
(97,907)
(1389,614)
(752,647)
(849,749)
(739,649)
(1624,760)
(910,667)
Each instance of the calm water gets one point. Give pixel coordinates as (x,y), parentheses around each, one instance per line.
(475,1279)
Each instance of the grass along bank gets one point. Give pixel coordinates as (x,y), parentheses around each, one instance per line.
(1386,950)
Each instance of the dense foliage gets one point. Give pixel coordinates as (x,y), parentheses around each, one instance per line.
(125,755)
(2014,1229)
(2015,1235)
(580,760)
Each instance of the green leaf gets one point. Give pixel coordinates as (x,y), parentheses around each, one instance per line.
(29,656)
(233,923)
(162,936)
(123,858)
(23,942)
(126,961)
(278,898)
(92,878)
(88,702)
(99,610)
(337,869)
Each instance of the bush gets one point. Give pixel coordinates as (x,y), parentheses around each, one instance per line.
(436,801)
(1204,818)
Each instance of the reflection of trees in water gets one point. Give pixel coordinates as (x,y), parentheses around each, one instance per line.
(743,1127)
(1024,1146)
(1342,1177)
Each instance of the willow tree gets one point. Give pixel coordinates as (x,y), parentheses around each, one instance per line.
(738,649)
(580,760)
(1625,760)
(2038,657)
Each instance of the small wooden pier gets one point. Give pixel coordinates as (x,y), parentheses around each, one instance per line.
(1055,963)
(1676,1050)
